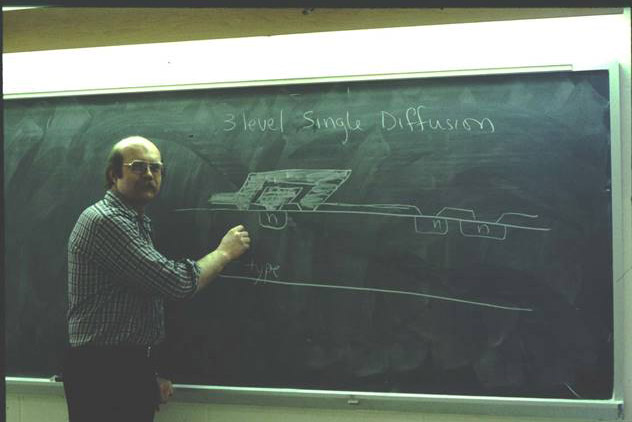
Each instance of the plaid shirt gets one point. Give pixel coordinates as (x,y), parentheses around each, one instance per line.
(117,281)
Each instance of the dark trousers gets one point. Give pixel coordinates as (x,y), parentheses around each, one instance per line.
(110,384)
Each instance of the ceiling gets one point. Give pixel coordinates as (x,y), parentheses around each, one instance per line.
(51,28)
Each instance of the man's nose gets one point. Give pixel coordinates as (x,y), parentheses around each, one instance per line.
(148,172)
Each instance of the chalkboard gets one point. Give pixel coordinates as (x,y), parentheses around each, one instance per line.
(444,235)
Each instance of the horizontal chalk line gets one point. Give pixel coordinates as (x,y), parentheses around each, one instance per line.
(369,289)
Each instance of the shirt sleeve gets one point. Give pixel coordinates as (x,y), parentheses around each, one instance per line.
(133,260)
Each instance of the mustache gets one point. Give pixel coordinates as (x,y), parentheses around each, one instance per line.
(152,185)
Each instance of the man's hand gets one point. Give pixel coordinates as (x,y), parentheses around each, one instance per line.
(166,390)
(235,243)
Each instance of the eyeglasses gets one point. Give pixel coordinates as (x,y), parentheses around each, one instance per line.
(140,167)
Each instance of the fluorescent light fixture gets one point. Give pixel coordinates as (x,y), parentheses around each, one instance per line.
(13,8)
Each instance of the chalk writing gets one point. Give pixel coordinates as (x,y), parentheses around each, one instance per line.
(276,193)
(264,272)
(332,122)
(249,123)
(413,119)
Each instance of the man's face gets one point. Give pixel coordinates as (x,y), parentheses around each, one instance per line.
(139,188)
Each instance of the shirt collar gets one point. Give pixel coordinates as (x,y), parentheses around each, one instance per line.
(114,199)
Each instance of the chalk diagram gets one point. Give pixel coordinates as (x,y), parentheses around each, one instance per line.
(276,194)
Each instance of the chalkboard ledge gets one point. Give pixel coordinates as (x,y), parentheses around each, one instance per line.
(427,403)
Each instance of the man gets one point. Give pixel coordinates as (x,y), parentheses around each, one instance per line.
(117,285)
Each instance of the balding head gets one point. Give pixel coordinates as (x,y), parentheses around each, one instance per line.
(138,187)
(135,143)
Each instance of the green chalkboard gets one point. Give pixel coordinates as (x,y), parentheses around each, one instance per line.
(445,235)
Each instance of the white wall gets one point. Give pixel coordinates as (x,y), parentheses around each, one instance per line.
(581,42)
(46,408)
